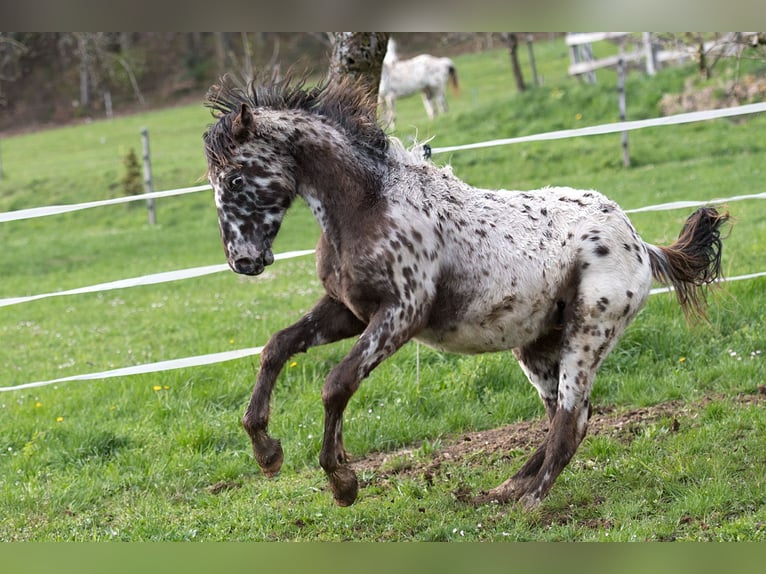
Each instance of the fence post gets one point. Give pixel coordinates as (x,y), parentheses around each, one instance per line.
(148,185)
(532,60)
(651,56)
(621,99)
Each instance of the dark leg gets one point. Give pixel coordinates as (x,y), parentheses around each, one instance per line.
(540,362)
(327,322)
(382,338)
(588,336)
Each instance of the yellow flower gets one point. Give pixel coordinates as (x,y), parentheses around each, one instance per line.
(293,364)
(682,359)
(38,405)
(157,388)
(578,116)
(231,341)
(59,419)
(167,388)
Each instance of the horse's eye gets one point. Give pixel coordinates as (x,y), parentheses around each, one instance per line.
(236,183)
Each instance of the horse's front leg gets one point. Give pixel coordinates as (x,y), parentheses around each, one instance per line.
(382,338)
(327,322)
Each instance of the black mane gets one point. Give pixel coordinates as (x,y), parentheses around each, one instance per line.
(345,102)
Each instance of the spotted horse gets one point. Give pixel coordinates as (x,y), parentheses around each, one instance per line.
(409,251)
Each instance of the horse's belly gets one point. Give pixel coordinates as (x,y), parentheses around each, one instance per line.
(490,334)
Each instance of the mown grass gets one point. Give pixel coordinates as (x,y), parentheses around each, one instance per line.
(162,457)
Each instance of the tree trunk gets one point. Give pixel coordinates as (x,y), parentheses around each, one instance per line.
(513,46)
(702,60)
(360,55)
(222,47)
(82,49)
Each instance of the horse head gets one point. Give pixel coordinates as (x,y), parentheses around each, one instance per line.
(249,168)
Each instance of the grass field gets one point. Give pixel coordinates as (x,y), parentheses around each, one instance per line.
(163,457)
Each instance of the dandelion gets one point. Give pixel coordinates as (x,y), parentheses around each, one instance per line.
(38,404)
(578,117)
(293,364)
(231,341)
(157,387)
(59,419)
(682,360)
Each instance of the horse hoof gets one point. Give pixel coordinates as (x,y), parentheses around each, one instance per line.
(506,492)
(269,455)
(344,485)
(529,502)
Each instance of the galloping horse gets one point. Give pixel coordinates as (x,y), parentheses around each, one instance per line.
(409,251)
(424,74)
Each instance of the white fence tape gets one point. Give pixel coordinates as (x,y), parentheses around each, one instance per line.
(617,127)
(689,204)
(58,209)
(147,368)
(216,357)
(144,280)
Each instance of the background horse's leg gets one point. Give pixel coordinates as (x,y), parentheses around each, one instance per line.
(428,95)
(389,111)
(440,97)
(383,337)
(327,322)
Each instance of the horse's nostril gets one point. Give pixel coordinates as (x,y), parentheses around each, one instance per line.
(247,266)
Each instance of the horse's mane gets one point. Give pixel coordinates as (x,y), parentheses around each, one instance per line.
(345,102)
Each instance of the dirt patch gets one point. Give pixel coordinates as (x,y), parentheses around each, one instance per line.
(526,435)
(724,94)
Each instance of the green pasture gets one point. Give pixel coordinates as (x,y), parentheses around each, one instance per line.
(162,457)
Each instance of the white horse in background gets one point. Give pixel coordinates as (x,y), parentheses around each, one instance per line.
(425,74)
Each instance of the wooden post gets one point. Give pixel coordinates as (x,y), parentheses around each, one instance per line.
(621,98)
(651,55)
(108,103)
(148,185)
(590,75)
(532,60)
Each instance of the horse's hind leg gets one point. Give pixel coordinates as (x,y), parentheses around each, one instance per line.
(601,314)
(540,362)
(593,326)
(428,103)
(328,321)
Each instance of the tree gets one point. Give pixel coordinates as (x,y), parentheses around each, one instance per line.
(360,55)
(513,46)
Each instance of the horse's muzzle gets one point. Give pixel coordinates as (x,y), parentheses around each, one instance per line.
(252,265)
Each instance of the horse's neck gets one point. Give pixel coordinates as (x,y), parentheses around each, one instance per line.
(333,177)
(391,55)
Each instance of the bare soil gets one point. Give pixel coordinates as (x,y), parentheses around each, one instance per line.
(525,436)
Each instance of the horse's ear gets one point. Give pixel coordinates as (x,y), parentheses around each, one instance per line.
(243,124)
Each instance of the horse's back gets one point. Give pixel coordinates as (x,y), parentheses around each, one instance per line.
(510,259)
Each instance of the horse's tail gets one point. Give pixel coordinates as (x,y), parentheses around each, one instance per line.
(693,261)
(453,78)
